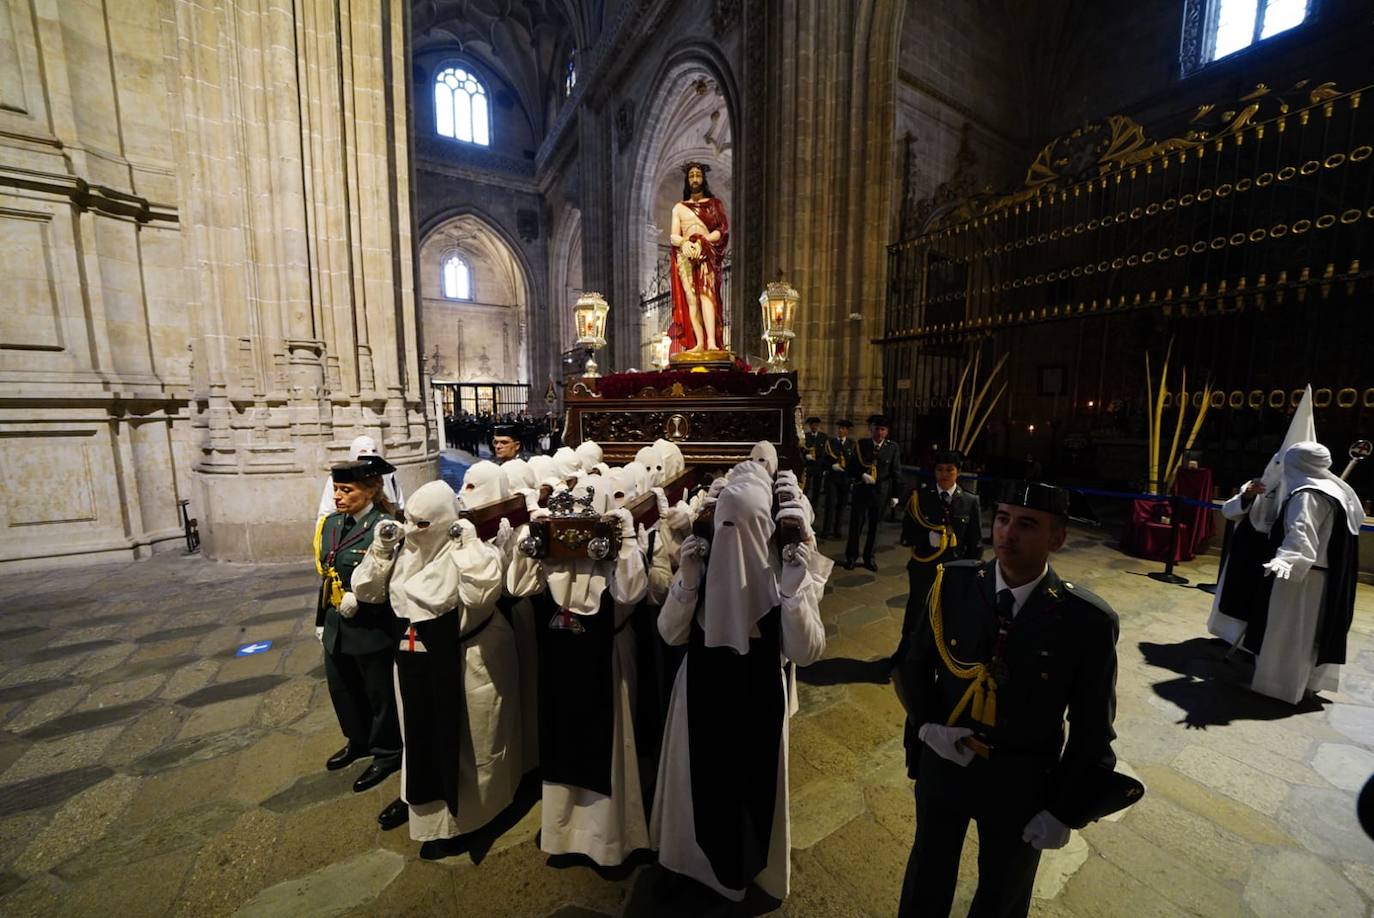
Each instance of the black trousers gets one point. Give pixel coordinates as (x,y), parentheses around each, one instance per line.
(364,696)
(837,486)
(866,510)
(815,485)
(920,576)
(1001,801)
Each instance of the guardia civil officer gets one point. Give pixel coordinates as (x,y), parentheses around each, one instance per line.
(877,460)
(942,523)
(358,637)
(840,460)
(813,451)
(1004,650)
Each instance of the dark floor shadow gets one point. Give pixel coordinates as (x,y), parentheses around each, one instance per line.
(615,874)
(476,845)
(660,893)
(1212,690)
(845,670)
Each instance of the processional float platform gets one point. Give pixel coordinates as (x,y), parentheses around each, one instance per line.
(714,416)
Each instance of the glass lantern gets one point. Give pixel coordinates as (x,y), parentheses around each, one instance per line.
(778,304)
(660,350)
(589,317)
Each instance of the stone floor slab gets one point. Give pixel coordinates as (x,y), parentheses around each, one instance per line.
(328,891)
(1288,883)
(49,789)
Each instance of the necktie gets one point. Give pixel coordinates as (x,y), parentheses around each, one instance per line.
(1005,604)
(348,524)
(945,497)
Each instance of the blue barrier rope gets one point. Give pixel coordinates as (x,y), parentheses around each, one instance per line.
(1103,492)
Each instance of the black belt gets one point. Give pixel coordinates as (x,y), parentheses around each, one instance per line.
(464,638)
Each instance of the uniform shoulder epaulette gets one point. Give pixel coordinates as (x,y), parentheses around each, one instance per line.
(1088,596)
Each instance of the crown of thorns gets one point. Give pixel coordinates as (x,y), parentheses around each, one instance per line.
(687,167)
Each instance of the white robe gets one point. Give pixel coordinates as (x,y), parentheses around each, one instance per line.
(673,827)
(575,820)
(490,755)
(1286,667)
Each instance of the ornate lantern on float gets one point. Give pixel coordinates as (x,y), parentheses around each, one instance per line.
(589,314)
(778,303)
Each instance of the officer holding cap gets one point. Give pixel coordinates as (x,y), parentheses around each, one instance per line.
(1004,650)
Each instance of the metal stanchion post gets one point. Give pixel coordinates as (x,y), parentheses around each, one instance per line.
(1167,575)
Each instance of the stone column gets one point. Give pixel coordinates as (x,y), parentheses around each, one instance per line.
(295,189)
(820,82)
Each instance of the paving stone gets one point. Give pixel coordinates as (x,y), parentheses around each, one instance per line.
(311,789)
(38,897)
(16,831)
(230,869)
(1355,721)
(869,857)
(62,651)
(37,793)
(81,721)
(291,591)
(1323,821)
(126,889)
(1233,778)
(162,796)
(1170,876)
(238,688)
(132,670)
(486,890)
(48,757)
(26,690)
(14,634)
(1100,888)
(421,888)
(1287,883)
(268,618)
(893,808)
(1058,865)
(821,808)
(173,634)
(817,893)
(1347,767)
(328,891)
(312,838)
(77,823)
(139,842)
(45,707)
(1214,806)
(190,678)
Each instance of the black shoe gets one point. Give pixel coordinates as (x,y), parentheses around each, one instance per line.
(343,758)
(869,563)
(397,813)
(848,564)
(439,848)
(372,775)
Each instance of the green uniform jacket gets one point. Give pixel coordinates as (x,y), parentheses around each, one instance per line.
(1061,654)
(374,627)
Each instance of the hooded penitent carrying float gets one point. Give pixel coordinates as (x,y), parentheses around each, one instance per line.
(456,668)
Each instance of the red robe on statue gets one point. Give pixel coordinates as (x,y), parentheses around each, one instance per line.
(705,275)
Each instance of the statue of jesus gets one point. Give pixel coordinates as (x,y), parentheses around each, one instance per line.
(699,235)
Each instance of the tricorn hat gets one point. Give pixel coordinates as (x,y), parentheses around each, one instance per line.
(360,469)
(813,420)
(1035,495)
(879,420)
(844,422)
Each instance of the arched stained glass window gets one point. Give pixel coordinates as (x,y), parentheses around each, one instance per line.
(457,278)
(461,106)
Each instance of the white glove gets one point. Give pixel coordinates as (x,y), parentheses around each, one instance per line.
(1044,831)
(1280,568)
(869,479)
(540,513)
(387,535)
(660,498)
(676,518)
(627,523)
(787,476)
(466,532)
(503,532)
(944,742)
(794,574)
(836,467)
(691,565)
(319,634)
(348,606)
(892,502)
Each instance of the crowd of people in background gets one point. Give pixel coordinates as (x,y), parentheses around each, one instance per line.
(472,432)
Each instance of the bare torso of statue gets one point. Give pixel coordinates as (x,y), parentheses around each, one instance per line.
(699,235)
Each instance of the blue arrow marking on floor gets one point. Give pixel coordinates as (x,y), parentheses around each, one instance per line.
(247,650)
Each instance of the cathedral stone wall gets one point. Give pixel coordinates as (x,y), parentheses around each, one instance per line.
(205,225)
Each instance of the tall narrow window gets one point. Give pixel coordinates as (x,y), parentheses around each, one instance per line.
(461,107)
(457,279)
(570,74)
(1213,29)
